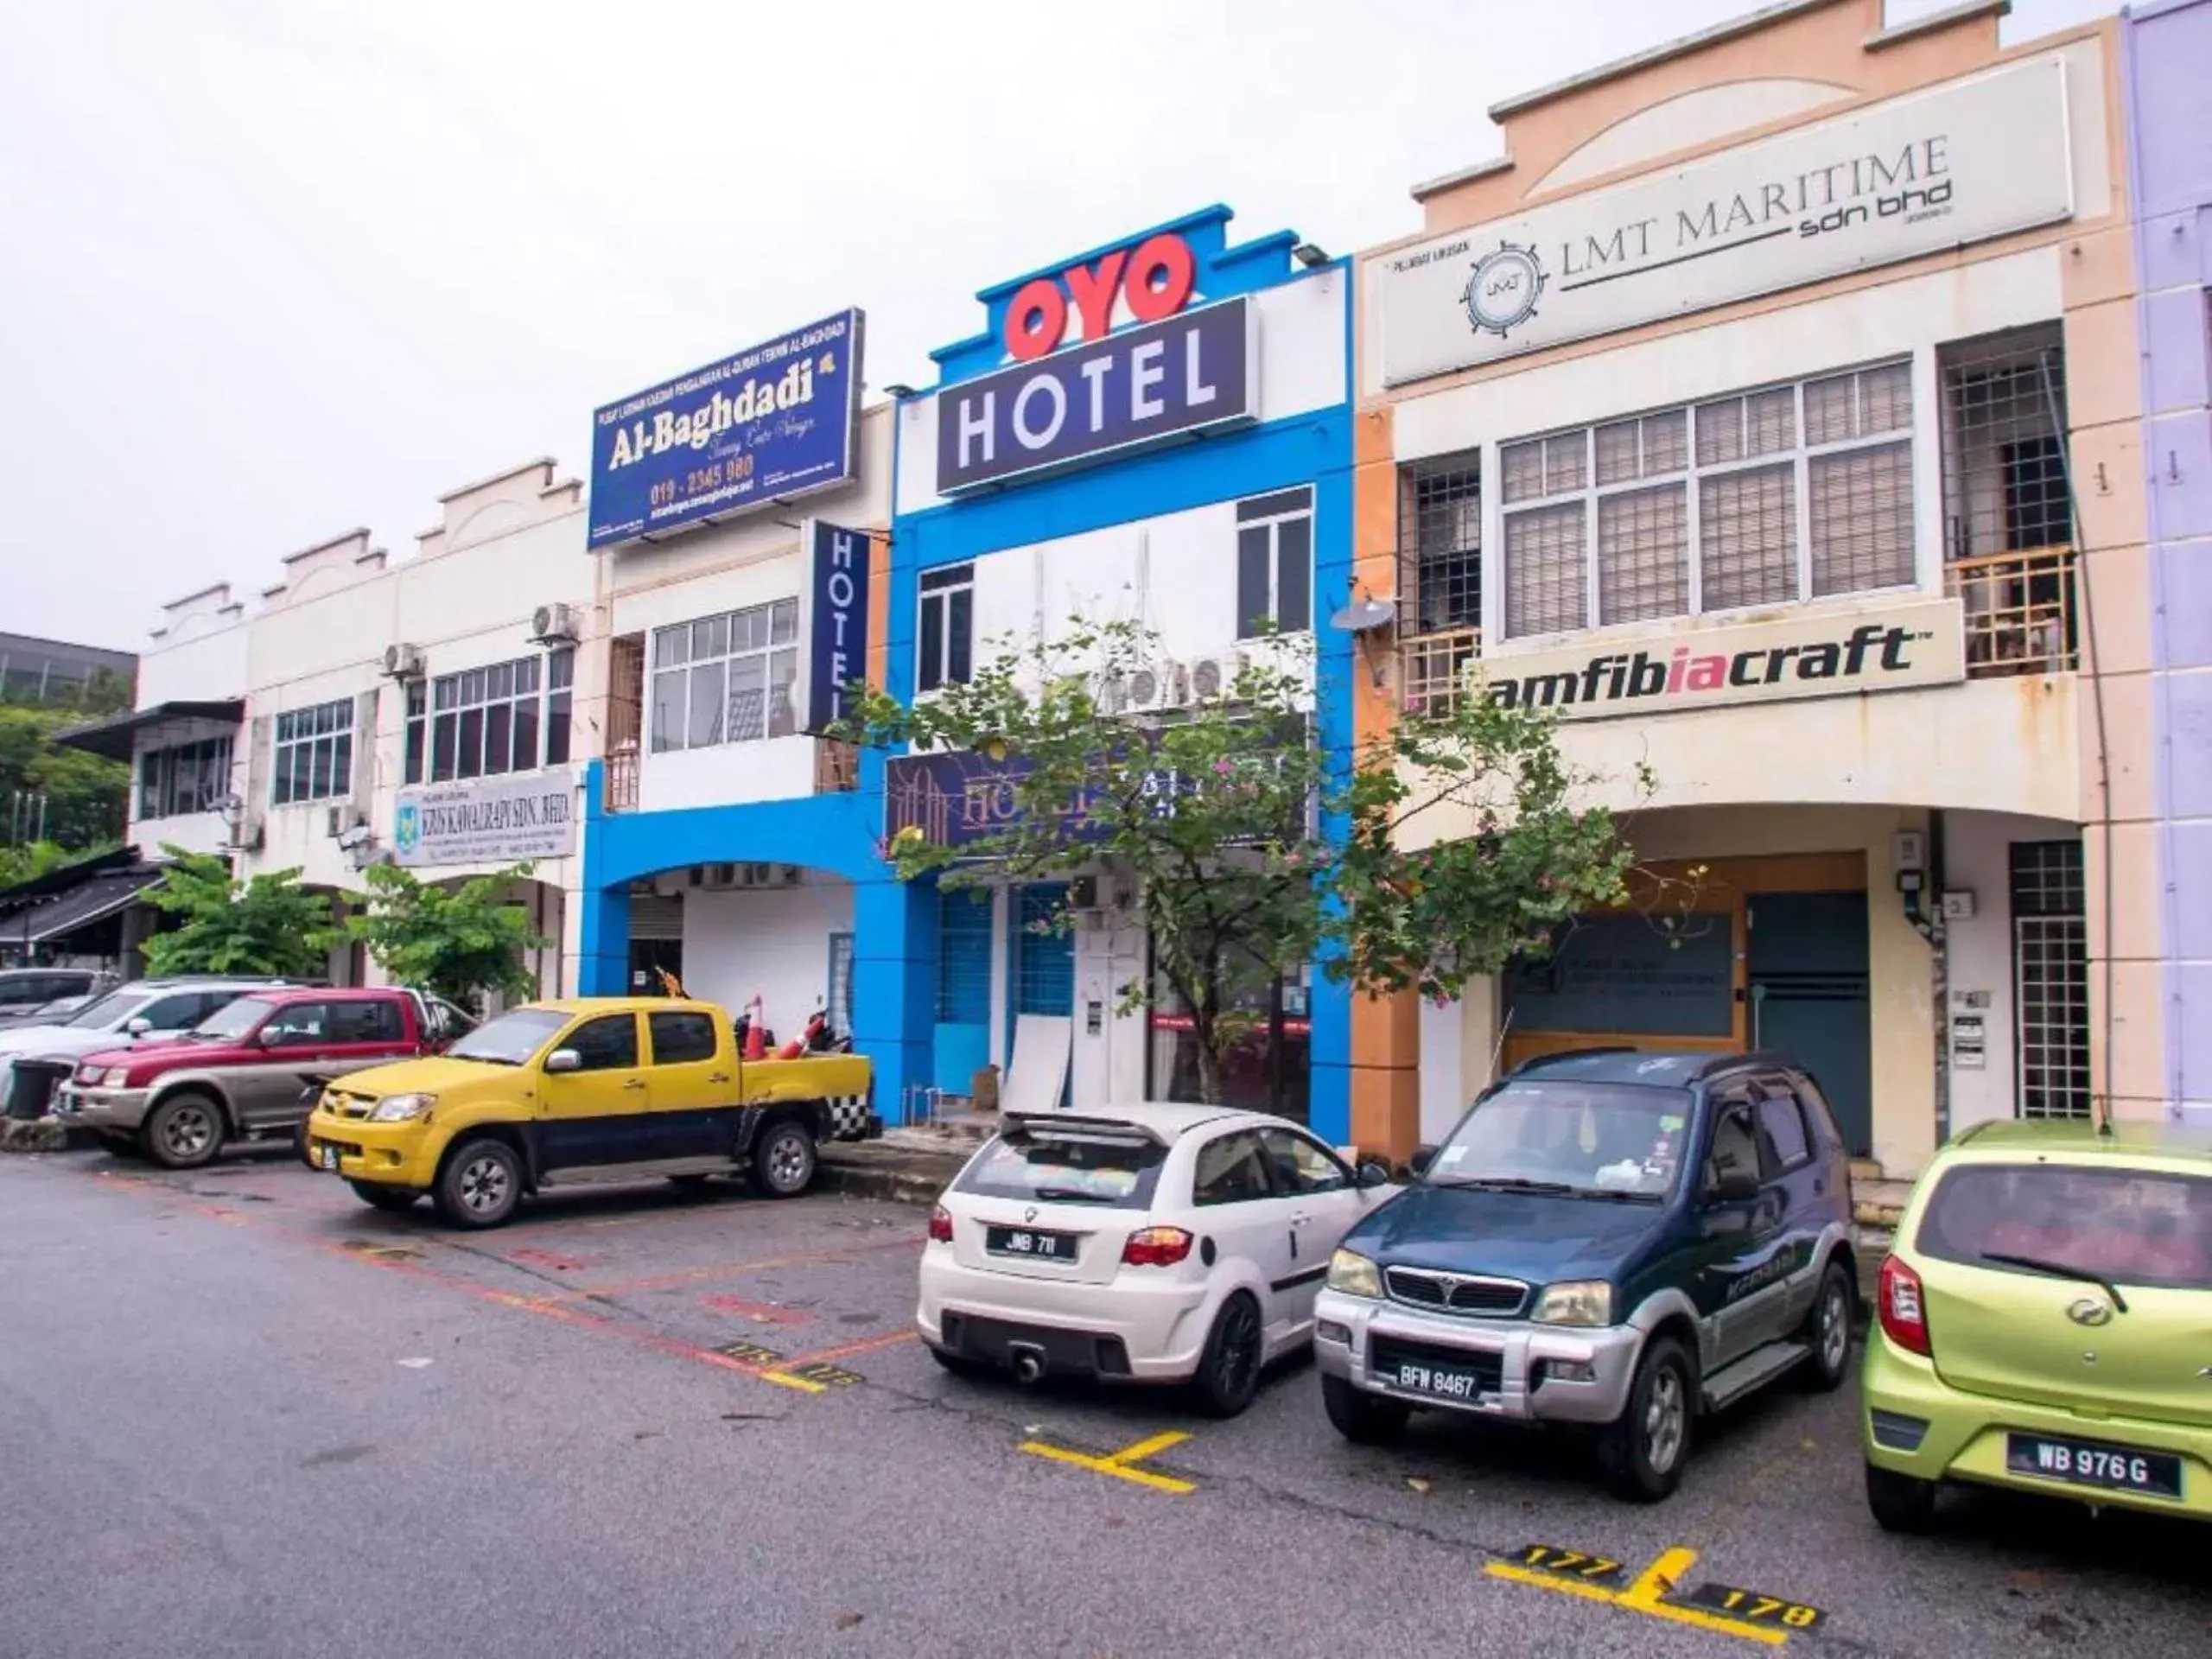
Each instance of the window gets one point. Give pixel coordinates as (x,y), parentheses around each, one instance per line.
(1762,498)
(372,1022)
(1782,1127)
(606,1045)
(180,1013)
(2145,1227)
(727,678)
(1231,1170)
(946,644)
(1300,1166)
(314,754)
(295,1024)
(418,727)
(1091,1168)
(2051,978)
(681,1039)
(1440,544)
(1735,1150)
(1274,564)
(485,722)
(963,957)
(188,778)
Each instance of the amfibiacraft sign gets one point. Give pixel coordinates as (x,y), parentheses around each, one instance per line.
(1913,643)
(1177,373)
(837,561)
(1959,163)
(487,820)
(778,421)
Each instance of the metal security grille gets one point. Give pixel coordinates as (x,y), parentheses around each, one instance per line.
(1439,577)
(1043,955)
(2050,979)
(838,1004)
(2008,510)
(963,958)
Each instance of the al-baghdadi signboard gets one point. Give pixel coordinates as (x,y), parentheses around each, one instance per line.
(1914,176)
(528,815)
(778,421)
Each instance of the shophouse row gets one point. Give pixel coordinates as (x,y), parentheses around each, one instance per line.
(1812,409)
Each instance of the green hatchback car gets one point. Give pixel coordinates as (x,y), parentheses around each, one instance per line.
(2045,1323)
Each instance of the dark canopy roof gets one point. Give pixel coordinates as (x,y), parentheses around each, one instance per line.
(112,737)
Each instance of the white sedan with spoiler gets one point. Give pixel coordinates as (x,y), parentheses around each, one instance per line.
(1155,1243)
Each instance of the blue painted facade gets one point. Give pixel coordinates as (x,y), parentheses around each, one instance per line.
(1311,448)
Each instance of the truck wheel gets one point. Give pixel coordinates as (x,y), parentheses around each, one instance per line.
(1826,1331)
(184,1131)
(1900,1503)
(783,1160)
(480,1186)
(1643,1451)
(378,1195)
(1362,1418)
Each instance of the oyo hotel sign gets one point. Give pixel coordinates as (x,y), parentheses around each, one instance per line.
(1823,654)
(1922,174)
(1178,372)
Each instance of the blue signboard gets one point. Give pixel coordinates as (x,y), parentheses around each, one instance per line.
(836,590)
(1142,386)
(778,421)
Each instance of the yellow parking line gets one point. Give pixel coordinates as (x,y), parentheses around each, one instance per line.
(1647,1595)
(1117,1465)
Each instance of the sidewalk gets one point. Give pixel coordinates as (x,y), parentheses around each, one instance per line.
(904,1166)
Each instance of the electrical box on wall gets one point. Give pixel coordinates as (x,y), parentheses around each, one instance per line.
(1958,904)
(1908,850)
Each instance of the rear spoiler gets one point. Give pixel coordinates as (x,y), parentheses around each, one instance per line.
(1068,1126)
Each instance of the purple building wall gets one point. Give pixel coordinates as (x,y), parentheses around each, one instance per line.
(2169,92)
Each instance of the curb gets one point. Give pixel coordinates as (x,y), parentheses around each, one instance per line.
(896,1186)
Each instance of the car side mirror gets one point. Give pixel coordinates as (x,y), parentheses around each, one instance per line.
(565,1059)
(1373,1174)
(271,1038)
(1732,1187)
(137,1027)
(1422,1158)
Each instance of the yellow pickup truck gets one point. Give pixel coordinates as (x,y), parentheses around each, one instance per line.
(649,1086)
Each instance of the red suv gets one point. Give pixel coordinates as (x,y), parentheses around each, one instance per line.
(250,1071)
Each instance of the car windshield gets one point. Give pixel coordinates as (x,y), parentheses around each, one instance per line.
(2123,1226)
(235,1021)
(106,1013)
(1580,1140)
(1049,1168)
(511,1039)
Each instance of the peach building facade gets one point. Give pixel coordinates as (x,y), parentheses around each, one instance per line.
(1770,409)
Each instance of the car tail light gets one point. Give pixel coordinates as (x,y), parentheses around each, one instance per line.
(941,1225)
(1156,1247)
(1904,1306)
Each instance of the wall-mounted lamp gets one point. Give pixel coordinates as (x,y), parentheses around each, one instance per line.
(1311,255)
(1365,619)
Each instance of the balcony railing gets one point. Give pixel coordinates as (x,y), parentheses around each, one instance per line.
(2020,611)
(836,766)
(1432,669)
(618,791)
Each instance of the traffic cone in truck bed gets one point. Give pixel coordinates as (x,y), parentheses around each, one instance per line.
(756,1034)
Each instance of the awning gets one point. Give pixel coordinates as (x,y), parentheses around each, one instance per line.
(113,736)
(97,899)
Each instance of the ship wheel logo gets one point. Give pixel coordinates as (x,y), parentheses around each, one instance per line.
(1504,289)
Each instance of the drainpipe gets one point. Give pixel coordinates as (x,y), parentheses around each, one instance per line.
(1939,974)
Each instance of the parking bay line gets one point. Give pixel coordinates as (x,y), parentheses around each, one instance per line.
(1118,1464)
(1646,1595)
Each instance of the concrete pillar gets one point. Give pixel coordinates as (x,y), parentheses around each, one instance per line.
(894,976)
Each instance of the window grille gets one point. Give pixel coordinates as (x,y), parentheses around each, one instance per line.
(2050,979)
(1439,578)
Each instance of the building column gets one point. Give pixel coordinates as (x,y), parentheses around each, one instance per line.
(603,951)
(894,962)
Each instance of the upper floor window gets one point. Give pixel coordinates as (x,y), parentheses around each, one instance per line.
(314,752)
(945,638)
(726,679)
(1769,497)
(480,722)
(1274,564)
(186,777)
(1440,543)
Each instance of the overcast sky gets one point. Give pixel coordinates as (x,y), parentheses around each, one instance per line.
(272,268)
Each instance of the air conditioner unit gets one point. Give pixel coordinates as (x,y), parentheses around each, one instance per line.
(245,836)
(402,663)
(1213,678)
(553,625)
(1109,693)
(1154,686)
(341,820)
(714,877)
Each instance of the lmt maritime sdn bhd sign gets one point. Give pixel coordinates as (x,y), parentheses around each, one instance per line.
(1179,372)
(778,421)
(1961,163)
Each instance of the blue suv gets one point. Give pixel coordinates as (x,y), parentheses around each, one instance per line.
(1616,1239)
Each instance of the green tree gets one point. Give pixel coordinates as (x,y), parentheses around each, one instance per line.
(265,924)
(74,799)
(34,858)
(1208,817)
(461,941)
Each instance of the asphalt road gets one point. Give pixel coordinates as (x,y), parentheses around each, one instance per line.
(244,1415)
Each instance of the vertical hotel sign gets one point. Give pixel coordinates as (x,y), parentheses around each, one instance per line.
(774,422)
(1959,164)
(837,634)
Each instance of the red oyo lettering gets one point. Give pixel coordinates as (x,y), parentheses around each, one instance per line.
(1156,280)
